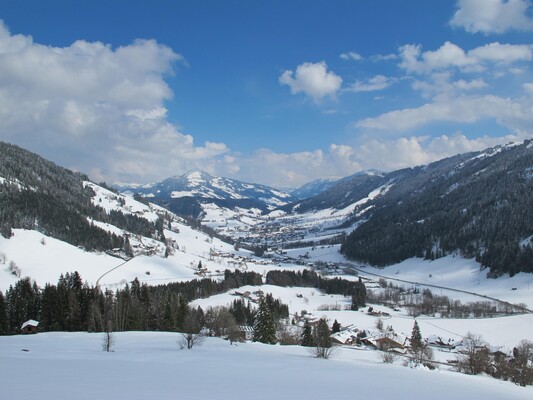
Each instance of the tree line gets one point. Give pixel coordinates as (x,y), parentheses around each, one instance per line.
(72,305)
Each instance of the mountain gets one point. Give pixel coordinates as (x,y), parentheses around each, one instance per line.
(478,204)
(36,194)
(186,194)
(313,188)
(340,193)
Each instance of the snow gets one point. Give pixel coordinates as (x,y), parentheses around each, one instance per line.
(30,322)
(149,365)
(110,201)
(464,274)
(46,262)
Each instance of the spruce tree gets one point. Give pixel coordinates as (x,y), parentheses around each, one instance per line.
(307,335)
(3,316)
(264,329)
(336,327)
(416,338)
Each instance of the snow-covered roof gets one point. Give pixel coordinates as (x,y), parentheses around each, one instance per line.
(346,335)
(245,328)
(30,322)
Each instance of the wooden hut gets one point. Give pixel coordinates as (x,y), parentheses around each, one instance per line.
(29,327)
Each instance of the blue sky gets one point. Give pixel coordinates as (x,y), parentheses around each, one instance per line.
(277,92)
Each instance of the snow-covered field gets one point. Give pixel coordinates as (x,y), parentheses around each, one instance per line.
(150,365)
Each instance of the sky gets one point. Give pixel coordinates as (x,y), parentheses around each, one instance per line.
(274,92)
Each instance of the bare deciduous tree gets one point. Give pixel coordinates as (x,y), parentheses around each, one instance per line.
(522,373)
(323,345)
(109,338)
(475,356)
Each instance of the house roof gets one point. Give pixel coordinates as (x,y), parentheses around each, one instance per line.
(345,335)
(245,328)
(30,322)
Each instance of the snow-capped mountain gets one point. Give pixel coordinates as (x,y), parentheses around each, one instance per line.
(313,188)
(187,193)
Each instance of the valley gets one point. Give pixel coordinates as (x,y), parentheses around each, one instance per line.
(450,296)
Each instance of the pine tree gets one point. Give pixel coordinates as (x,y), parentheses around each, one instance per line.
(307,335)
(358,295)
(264,329)
(3,316)
(416,338)
(336,327)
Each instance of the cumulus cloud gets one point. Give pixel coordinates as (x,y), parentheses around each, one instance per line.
(378,82)
(449,55)
(94,108)
(492,16)
(313,79)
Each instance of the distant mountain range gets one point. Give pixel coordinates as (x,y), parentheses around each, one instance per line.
(185,194)
(313,188)
(476,204)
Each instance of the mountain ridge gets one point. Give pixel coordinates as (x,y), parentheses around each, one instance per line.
(185,194)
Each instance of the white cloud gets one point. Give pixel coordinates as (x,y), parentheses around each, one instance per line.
(384,57)
(96,109)
(352,55)
(449,56)
(378,82)
(293,169)
(313,79)
(528,88)
(440,86)
(389,155)
(514,114)
(502,53)
(340,160)
(492,16)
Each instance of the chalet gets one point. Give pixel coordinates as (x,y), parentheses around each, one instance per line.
(441,343)
(29,327)
(346,336)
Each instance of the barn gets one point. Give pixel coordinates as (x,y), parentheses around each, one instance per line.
(29,327)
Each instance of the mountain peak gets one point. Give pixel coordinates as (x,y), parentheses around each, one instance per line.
(197,175)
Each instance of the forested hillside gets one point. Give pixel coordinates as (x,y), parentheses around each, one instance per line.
(479,204)
(37,194)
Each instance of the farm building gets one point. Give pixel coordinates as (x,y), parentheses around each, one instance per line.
(29,327)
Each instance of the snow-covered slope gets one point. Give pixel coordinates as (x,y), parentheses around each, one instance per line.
(149,365)
(205,188)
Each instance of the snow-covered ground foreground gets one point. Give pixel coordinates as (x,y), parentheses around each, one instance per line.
(150,365)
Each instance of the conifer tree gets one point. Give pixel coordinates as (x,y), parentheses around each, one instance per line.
(416,338)
(264,329)
(358,295)
(3,316)
(336,327)
(307,335)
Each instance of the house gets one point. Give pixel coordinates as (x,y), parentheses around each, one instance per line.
(29,327)
(346,336)
(247,332)
(387,343)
